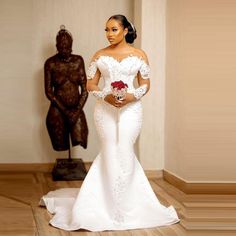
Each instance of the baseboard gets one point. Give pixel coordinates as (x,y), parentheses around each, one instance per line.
(31,167)
(26,167)
(156,174)
(47,167)
(199,188)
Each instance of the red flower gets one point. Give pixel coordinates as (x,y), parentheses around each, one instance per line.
(119,85)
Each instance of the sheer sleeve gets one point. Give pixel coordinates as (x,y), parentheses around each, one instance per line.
(144,70)
(92,69)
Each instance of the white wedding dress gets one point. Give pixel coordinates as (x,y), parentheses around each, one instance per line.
(115,194)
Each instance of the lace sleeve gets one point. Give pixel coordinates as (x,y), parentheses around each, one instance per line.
(140,91)
(92,69)
(144,70)
(100,94)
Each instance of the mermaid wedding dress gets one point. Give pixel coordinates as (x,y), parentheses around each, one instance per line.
(115,194)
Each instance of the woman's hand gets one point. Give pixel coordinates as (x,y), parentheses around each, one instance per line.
(111,100)
(128,99)
(120,103)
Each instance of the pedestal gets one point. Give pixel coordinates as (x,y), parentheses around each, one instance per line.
(69,169)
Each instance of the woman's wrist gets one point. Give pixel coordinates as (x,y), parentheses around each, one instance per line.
(131,97)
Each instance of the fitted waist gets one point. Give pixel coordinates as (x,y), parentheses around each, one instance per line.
(130,89)
(131,104)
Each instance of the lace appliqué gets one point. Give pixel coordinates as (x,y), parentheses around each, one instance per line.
(140,91)
(145,70)
(100,94)
(92,70)
(118,191)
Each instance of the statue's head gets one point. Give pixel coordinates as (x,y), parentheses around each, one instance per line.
(64,42)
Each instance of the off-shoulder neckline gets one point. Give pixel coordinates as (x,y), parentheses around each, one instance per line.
(123,59)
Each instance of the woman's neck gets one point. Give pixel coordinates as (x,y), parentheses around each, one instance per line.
(120,45)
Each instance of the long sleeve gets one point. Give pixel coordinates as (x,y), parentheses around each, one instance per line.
(92,69)
(144,70)
(145,74)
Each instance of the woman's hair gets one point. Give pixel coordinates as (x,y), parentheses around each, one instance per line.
(131,35)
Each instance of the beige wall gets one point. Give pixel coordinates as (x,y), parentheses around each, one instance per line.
(200,90)
(189,124)
(149,19)
(29,28)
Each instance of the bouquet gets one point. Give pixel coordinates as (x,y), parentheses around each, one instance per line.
(119,89)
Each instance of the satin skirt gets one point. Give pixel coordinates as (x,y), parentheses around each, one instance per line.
(116,194)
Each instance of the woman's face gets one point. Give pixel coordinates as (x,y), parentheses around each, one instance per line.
(115,32)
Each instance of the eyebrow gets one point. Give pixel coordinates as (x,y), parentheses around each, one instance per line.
(114,27)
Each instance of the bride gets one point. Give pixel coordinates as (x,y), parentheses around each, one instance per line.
(115,194)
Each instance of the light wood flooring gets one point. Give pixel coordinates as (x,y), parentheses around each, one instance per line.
(20,215)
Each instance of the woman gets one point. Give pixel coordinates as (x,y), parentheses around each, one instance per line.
(115,194)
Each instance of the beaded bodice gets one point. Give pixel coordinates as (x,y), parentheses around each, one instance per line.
(112,70)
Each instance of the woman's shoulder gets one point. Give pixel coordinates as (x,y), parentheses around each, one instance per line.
(140,53)
(99,53)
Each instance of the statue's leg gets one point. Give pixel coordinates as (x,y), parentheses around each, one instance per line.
(58,129)
(79,132)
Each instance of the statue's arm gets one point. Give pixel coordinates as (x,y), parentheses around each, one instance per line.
(49,87)
(82,84)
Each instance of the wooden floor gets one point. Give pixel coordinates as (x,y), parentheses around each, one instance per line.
(20,214)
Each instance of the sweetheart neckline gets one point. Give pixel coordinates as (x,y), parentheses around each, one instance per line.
(120,61)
